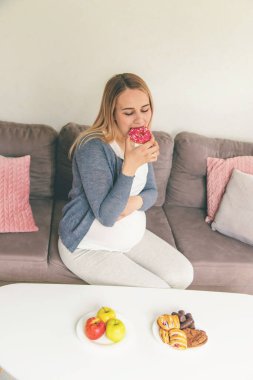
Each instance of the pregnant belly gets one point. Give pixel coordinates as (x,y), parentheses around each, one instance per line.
(122,236)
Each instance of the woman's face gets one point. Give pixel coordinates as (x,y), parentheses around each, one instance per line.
(132,110)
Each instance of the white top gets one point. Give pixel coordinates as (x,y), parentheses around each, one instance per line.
(126,232)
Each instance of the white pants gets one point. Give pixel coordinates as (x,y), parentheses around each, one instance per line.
(152,263)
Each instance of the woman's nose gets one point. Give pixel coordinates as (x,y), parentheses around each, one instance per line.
(138,118)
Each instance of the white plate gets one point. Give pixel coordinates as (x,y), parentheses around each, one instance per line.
(155,330)
(103,340)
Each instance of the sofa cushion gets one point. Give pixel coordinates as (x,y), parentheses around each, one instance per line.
(157,223)
(15,210)
(218,174)
(23,256)
(218,260)
(187,183)
(57,271)
(235,215)
(38,141)
(162,167)
(67,136)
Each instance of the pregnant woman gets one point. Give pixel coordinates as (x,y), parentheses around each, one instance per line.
(103,236)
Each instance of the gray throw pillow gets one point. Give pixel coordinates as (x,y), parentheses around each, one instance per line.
(234,217)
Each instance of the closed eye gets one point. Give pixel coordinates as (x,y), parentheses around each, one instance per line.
(131,113)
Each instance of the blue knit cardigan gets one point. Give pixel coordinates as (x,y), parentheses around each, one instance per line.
(99,190)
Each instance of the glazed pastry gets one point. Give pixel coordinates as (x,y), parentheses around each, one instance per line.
(140,135)
(195,338)
(164,335)
(177,339)
(168,321)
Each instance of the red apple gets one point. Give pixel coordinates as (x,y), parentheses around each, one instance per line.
(94,328)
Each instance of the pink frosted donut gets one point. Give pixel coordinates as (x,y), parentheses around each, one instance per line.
(139,135)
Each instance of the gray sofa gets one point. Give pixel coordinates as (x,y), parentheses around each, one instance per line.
(220,263)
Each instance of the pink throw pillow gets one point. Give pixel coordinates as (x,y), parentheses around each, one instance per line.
(219,171)
(15,210)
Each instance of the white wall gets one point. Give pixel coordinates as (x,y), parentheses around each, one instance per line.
(195,55)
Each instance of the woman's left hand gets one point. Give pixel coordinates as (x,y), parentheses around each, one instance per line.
(134,203)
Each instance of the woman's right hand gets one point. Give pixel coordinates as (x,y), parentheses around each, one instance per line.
(137,156)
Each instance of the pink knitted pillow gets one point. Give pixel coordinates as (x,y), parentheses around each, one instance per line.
(219,171)
(15,210)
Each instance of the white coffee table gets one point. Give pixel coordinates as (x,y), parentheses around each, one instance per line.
(38,337)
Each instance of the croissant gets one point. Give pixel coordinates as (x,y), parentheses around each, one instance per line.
(177,339)
(164,335)
(167,322)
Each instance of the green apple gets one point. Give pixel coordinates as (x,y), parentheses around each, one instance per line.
(115,330)
(105,313)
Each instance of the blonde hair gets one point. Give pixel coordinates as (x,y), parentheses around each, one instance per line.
(104,126)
